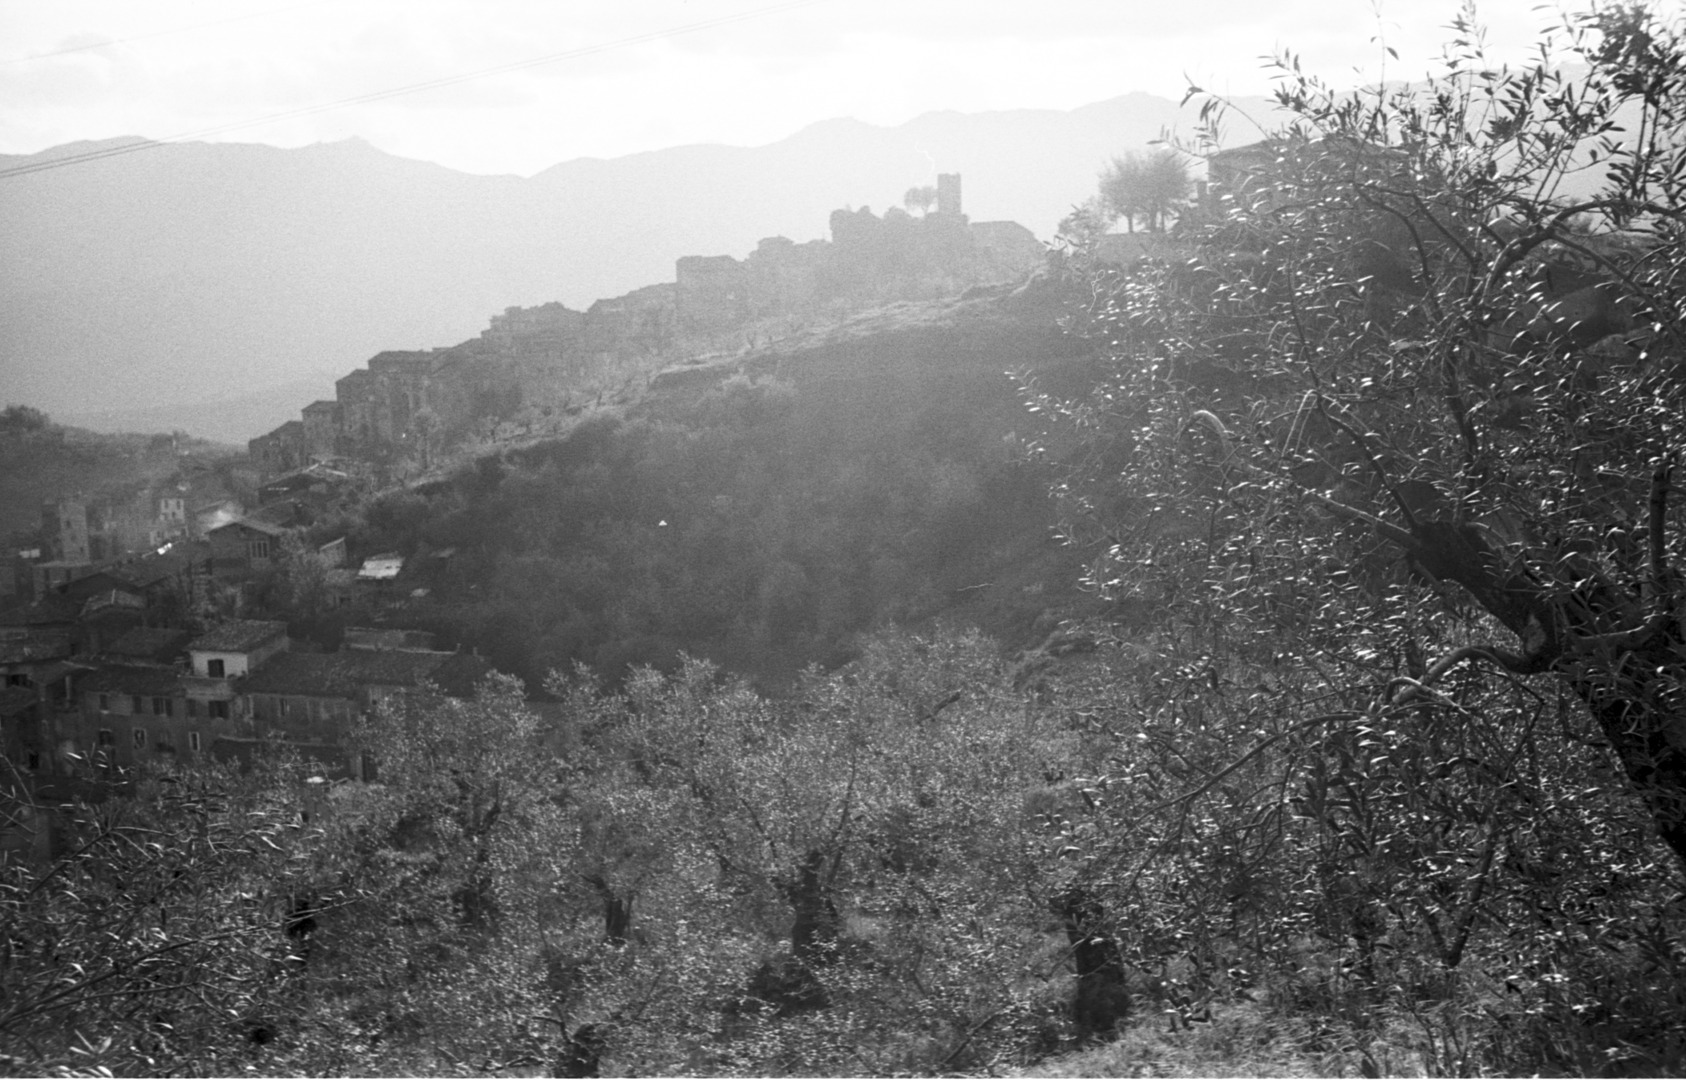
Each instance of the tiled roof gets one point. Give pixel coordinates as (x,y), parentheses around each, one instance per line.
(151,569)
(380,638)
(58,669)
(148,681)
(37,647)
(51,609)
(343,674)
(237,635)
(282,514)
(254,524)
(150,643)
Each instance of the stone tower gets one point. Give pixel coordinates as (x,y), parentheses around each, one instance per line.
(948,193)
(64,530)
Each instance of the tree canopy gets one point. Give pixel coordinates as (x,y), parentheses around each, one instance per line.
(920,199)
(1405,405)
(1150,187)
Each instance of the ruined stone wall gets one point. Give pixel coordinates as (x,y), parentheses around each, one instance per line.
(548,330)
(639,323)
(1008,248)
(783,276)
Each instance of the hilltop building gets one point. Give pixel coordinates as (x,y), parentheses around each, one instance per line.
(404,402)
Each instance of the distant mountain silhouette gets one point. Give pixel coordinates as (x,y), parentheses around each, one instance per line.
(193,272)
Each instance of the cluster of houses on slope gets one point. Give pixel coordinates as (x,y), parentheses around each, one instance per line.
(80,532)
(211,551)
(164,695)
(407,401)
(109,663)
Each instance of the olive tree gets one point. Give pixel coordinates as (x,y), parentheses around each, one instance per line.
(1151,187)
(164,933)
(1444,323)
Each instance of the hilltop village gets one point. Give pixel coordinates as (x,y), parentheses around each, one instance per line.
(142,621)
(549,360)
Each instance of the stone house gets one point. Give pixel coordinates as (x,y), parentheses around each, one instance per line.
(64,531)
(236,648)
(218,659)
(245,545)
(280,451)
(312,699)
(321,422)
(36,676)
(400,391)
(132,713)
(355,394)
(208,516)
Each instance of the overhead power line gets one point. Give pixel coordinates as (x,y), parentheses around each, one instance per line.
(397,91)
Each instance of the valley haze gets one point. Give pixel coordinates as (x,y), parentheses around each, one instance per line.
(217,287)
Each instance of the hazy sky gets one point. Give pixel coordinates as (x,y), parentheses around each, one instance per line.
(620,77)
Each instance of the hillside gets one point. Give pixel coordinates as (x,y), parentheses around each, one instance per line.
(761,510)
(214,271)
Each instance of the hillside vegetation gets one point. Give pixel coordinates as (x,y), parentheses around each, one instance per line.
(761,511)
(1370,758)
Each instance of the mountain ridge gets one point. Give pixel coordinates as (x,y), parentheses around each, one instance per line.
(172,276)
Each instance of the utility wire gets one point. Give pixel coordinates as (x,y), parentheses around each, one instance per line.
(398,91)
(157,34)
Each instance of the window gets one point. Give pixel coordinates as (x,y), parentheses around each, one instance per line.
(106,738)
(214,668)
(105,703)
(193,741)
(140,737)
(136,705)
(163,706)
(192,708)
(217,709)
(34,761)
(257,549)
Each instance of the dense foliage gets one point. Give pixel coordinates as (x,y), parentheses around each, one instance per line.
(1388,449)
(761,521)
(1152,187)
(679,877)
(1376,769)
